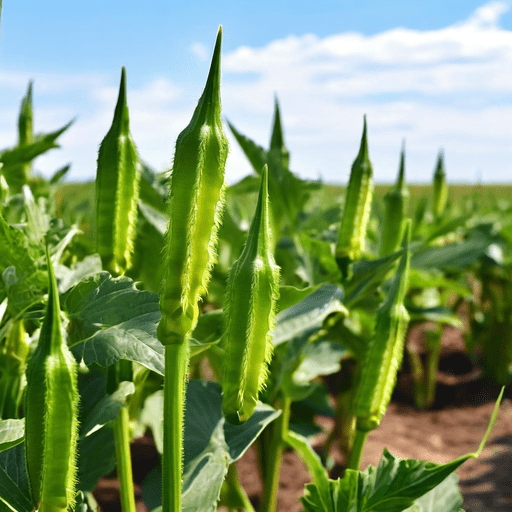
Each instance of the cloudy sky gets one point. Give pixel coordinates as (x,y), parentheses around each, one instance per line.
(436,75)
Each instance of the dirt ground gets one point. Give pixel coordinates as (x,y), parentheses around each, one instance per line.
(454,427)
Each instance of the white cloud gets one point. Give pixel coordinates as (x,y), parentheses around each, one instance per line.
(450,88)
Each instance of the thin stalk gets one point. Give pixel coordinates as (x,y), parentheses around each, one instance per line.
(235,497)
(356,454)
(273,462)
(124,462)
(434,352)
(176,364)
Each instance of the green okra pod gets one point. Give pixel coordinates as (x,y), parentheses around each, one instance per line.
(440,186)
(195,206)
(249,312)
(384,353)
(358,201)
(117,190)
(396,202)
(51,414)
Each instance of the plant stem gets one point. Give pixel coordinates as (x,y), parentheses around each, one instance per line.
(356,454)
(235,497)
(176,363)
(275,451)
(123,458)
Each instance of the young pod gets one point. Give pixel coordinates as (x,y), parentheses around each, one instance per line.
(194,207)
(117,190)
(358,201)
(396,202)
(384,353)
(51,414)
(249,313)
(440,186)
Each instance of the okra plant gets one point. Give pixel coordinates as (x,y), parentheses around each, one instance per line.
(73,320)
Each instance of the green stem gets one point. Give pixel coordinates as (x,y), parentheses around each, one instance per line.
(123,458)
(356,454)
(176,363)
(235,496)
(434,352)
(275,452)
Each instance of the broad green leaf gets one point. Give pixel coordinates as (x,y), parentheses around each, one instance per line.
(96,457)
(308,315)
(110,320)
(445,497)
(319,358)
(106,410)
(210,443)
(14,488)
(290,295)
(38,221)
(68,277)
(454,256)
(11,433)
(23,280)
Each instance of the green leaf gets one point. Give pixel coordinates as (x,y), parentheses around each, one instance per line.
(96,457)
(256,155)
(210,443)
(11,433)
(110,320)
(290,295)
(308,315)
(107,409)
(454,256)
(14,488)
(26,153)
(366,276)
(445,497)
(315,468)
(441,315)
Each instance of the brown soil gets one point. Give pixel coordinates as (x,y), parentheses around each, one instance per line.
(454,427)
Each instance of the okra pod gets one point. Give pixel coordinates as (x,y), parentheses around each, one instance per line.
(249,313)
(358,200)
(384,353)
(51,414)
(117,190)
(396,202)
(195,206)
(440,186)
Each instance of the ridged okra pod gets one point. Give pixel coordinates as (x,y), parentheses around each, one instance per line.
(117,190)
(249,313)
(358,201)
(384,353)
(396,202)
(195,205)
(440,186)
(51,419)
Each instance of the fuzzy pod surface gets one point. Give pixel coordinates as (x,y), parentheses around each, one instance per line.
(396,202)
(195,207)
(51,419)
(358,201)
(249,313)
(117,190)
(384,353)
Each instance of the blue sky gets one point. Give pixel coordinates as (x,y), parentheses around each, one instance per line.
(438,75)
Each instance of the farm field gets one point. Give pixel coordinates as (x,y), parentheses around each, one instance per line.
(275,345)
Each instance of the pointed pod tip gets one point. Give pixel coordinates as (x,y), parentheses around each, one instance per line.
(407,234)
(363,151)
